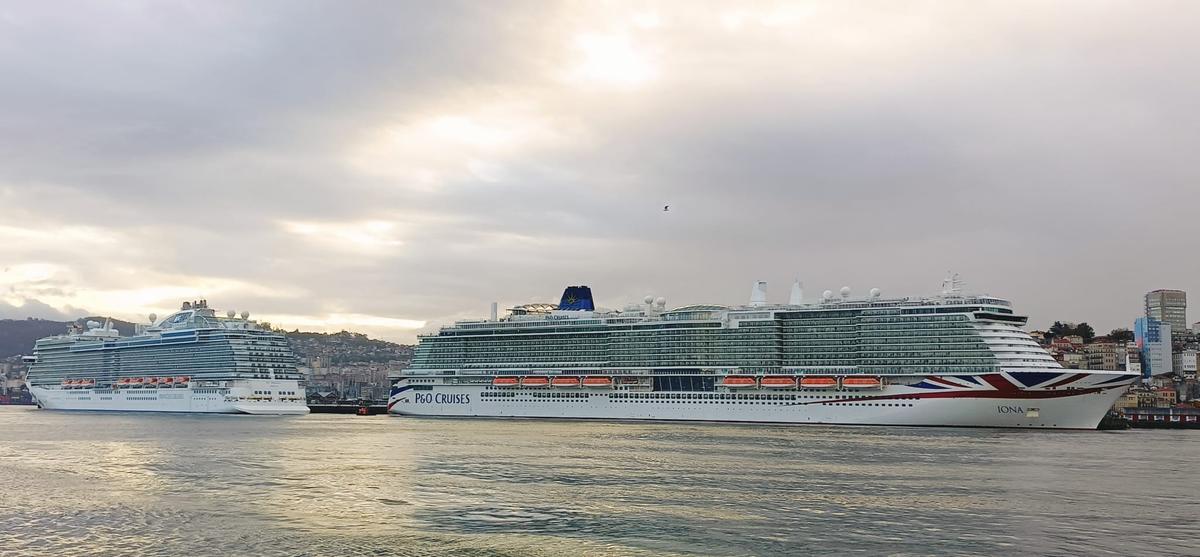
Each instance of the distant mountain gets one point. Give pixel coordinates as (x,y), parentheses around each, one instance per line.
(18,335)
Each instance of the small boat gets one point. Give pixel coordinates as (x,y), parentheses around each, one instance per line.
(535,381)
(565,381)
(123,382)
(135,381)
(151,381)
(779,382)
(65,383)
(818,382)
(168,381)
(597,381)
(506,382)
(89,382)
(183,380)
(739,381)
(861,383)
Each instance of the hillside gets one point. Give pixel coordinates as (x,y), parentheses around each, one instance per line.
(18,335)
(346,348)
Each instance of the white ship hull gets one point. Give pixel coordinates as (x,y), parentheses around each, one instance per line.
(242,397)
(972,401)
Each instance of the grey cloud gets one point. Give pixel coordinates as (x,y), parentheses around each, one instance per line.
(1043,151)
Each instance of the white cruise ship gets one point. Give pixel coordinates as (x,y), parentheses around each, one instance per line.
(946,360)
(190,361)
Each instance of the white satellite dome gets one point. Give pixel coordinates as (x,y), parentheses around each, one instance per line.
(245,315)
(845,291)
(827,294)
(648,300)
(660,301)
(230,314)
(153,318)
(875,292)
(93,324)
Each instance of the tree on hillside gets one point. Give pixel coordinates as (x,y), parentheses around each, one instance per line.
(1060,329)
(1121,335)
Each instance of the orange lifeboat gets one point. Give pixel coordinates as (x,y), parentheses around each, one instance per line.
(166,381)
(861,382)
(779,382)
(65,383)
(565,381)
(818,382)
(183,380)
(535,381)
(89,382)
(739,381)
(152,381)
(597,381)
(506,382)
(135,381)
(123,382)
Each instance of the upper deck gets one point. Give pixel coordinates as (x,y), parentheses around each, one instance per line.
(951,333)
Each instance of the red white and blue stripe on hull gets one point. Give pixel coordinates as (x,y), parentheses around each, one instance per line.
(1042,398)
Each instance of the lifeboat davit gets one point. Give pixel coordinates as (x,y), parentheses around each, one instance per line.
(779,382)
(597,381)
(861,382)
(739,381)
(818,382)
(565,381)
(535,381)
(506,382)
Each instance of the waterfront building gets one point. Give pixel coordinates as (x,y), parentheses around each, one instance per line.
(1074,360)
(1127,400)
(1168,306)
(1153,338)
(1104,355)
(1165,397)
(1184,363)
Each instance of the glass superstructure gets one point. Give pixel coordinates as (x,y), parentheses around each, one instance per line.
(193,342)
(909,336)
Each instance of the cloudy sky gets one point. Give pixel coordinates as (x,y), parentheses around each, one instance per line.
(391,166)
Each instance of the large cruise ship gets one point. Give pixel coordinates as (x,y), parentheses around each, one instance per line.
(946,360)
(190,361)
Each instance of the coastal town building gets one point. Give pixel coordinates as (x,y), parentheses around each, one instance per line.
(1168,306)
(1104,354)
(1153,338)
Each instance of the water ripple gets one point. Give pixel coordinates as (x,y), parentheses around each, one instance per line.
(122,484)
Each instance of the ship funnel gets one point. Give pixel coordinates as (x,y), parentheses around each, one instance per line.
(758,293)
(797,296)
